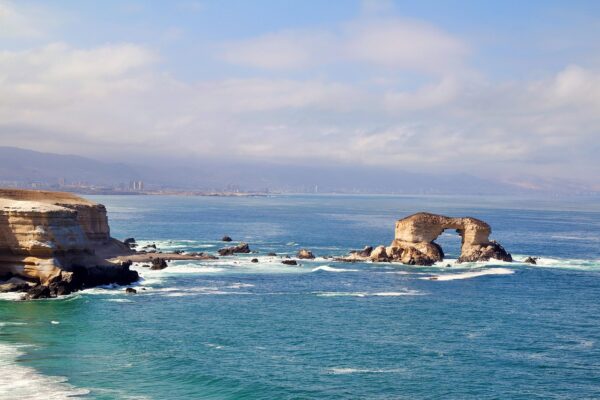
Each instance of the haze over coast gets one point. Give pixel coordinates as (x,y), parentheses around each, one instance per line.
(362,96)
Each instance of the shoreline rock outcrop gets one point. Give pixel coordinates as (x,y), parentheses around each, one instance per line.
(58,243)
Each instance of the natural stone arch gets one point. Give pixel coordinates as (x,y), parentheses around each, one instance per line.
(415,236)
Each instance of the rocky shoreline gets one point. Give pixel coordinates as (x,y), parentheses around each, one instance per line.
(54,243)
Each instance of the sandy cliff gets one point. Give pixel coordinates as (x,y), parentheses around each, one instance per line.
(58,241)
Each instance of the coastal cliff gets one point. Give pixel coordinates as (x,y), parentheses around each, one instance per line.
(53,243)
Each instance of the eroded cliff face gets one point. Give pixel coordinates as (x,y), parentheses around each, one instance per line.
(51,237)
(415,235)
(414,241)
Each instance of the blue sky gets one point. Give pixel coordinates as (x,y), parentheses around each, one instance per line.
(507,88)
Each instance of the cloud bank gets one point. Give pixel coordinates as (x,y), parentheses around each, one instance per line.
(413,103)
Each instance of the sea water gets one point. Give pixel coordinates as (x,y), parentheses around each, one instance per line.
(233,329)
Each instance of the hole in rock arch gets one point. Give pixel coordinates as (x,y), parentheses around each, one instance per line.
(451,243)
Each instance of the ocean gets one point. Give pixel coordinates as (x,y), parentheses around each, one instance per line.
(233,329)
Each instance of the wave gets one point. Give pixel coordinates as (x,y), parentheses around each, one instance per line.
(21,382)
(561,263)
(369,294)
(346,371)
(470,274)
(327,268)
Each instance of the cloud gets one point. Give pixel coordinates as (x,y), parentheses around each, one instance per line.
(391,43)
(18,22)
(64,97)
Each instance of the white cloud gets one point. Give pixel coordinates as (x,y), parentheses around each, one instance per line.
(383,42)
(18,22)
(114,99)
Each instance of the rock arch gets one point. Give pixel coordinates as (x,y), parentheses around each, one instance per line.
(415,235)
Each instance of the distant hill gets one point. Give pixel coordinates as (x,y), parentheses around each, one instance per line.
(27,166)
(31,166)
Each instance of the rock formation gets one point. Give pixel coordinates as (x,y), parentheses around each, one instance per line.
(240,248)
(58,242)
(414,240)
(415,236)
(305,254)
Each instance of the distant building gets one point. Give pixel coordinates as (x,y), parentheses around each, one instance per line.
(136,186)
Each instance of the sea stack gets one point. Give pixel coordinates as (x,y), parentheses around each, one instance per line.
(415,235)
(58,243)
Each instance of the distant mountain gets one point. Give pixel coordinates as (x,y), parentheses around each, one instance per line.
(27,166)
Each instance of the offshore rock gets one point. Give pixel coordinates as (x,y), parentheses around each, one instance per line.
(414,240)
(240,248)
(158,264)
(304,254)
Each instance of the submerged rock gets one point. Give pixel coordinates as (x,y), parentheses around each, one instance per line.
(240,248)
(305,254)
(226,239)
(289,262)
(531,260)
(131,290)
(254,260)
(272,254)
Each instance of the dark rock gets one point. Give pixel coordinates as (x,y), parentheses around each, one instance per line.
(130,242)
(272,254)
(493,250)
(240,248)
(226,239)
(289,262)
(365,252)
(158,264)
(14,284)
(531,260)
(146,265)
(130,290)
(304,254)
(178,252)
(254,260)
(38,292)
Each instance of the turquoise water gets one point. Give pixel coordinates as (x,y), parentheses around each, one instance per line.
(231,329)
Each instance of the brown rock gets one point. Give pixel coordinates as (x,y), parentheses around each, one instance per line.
(240,248)
(414,240)
(305,254)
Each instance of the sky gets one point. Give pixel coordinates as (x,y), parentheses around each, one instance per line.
(509,90)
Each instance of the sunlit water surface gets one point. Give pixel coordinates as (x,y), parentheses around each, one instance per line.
(232,329)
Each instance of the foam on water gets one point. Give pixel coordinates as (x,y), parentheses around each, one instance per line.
(25,383)
(370,294)
(327,268)
(346,371)
(470,274)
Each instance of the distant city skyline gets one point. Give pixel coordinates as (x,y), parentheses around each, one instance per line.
(506,90)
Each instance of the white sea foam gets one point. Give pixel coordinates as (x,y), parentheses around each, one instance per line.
(25,383)
(11,296)
(120,300)
(346,371)
(470,274)
(327,268)
(369,294)
(562,263)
